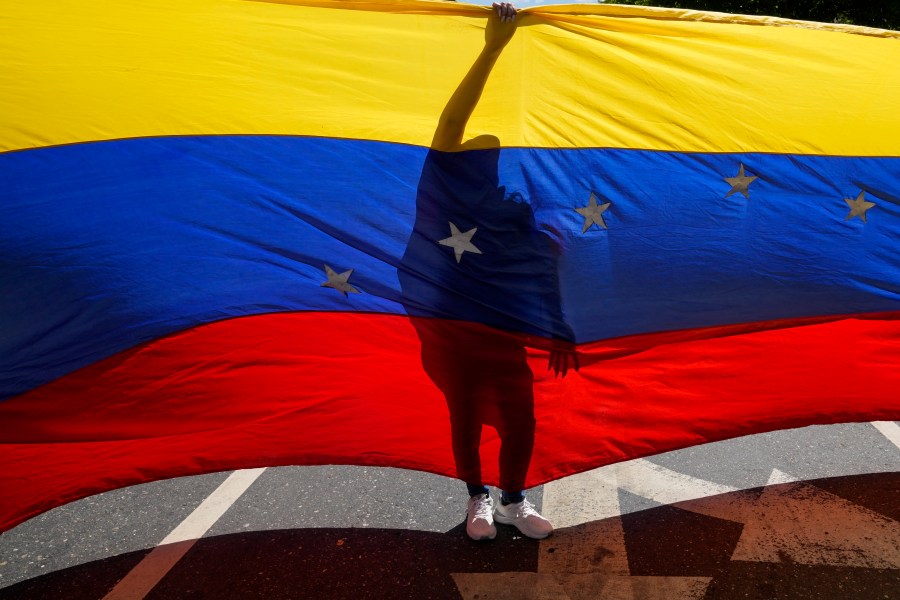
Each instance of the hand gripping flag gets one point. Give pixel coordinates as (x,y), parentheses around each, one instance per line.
(238,234)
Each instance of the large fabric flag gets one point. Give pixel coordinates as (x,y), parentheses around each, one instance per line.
(238,234)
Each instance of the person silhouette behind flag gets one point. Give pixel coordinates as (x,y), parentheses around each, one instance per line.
(480,281)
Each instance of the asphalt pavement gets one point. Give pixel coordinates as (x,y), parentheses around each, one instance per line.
(805,513)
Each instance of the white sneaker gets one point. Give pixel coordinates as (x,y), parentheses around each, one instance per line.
(525,518)
(480,518)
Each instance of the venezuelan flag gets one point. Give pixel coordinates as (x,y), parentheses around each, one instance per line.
(238,233)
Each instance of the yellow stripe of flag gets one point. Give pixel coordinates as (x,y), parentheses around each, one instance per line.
(573,76)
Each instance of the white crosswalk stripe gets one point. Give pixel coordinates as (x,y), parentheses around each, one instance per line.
(144,577)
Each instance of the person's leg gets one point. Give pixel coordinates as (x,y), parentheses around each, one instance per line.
(466,437)
(450,365)
(449,362)
(476,489)
(466,433)
(511,397)
(516,426)
(511,497)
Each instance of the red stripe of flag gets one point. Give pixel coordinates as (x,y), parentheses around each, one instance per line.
(322,388)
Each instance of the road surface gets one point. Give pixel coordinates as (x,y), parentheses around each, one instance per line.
(805,513)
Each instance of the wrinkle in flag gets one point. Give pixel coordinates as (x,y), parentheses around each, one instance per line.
(230,237)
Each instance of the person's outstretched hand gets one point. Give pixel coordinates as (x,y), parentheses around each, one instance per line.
(499,31)
(561,359)
(505,10)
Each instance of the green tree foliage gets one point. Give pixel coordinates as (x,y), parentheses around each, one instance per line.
(884,13)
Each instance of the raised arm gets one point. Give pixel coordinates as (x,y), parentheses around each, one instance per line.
(452,124)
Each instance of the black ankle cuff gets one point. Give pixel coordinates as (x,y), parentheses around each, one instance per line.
(511,497)
(476,489)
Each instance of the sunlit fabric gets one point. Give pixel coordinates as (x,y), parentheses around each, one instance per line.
(231,237)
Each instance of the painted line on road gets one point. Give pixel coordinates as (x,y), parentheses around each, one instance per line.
(799,523)
(586,510)
(593,495)
(582,498)
(665,486)
(778,477)
(890,430)
(150,571)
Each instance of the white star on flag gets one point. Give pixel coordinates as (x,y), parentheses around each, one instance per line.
(460,241)
(740,183)
(338,281)
(593,213)
(859,206)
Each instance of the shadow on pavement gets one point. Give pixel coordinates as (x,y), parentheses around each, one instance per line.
(823,539)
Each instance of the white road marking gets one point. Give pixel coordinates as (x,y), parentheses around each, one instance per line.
(890,430)
(543,586)
(509,586)
(593,495)
(582,498)
(648,480)
(778,477)
(147,573)
(636,588)
(597,545)
(800,523)
(144,577)
(587,555)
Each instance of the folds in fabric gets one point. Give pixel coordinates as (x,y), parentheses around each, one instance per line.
(227,240)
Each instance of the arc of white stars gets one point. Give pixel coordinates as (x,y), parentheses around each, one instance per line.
(740,183)
(460,241)
(858,207)
(593,213)
(339,281)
